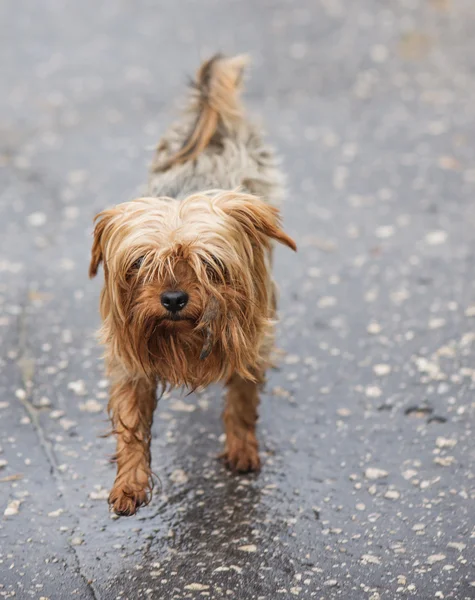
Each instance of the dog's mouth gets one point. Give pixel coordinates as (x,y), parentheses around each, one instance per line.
(176,321)
(175,318)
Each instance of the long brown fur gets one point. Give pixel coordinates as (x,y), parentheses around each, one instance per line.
(216,100)
(215,245)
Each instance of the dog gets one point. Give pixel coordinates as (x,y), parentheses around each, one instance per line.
(188,297)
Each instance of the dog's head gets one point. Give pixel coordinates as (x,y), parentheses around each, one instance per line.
(187,294)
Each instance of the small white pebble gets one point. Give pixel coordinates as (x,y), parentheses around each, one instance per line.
(442,442)
(67,424)
(77,541)
(180,406)
(13,508)
(71,212)
(314,272)
(236,568)
(384,232)
(470,311)
(375,473)
(343,412)
(326,301)
(435,238)
(101,494)
(248,548)
(449,163)
(436,323)
(56,414)
(37,219)
(382,369)
(392,495)
(379,53)
(179,476)
(67,264)
(444,461)
(373,391)
(374,328)
(66,336)
(78,387)
(91,406)
(197,587)
(295,591)
(292,359)
(435,558)
(426,366)
(460,546)
(371,558)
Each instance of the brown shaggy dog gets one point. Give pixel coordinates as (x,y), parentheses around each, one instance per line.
(188,298)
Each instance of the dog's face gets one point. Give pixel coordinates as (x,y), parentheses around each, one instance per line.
(187,294)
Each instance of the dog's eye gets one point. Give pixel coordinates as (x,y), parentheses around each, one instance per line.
(215,269)
(138,263)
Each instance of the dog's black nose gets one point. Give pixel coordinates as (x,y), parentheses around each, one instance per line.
(174,301)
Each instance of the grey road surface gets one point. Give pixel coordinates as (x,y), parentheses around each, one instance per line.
(367,488)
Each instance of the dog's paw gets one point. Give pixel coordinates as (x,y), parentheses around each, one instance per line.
(242,458)
(125,501)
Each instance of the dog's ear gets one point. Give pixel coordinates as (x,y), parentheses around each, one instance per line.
(255,216)
(102,222)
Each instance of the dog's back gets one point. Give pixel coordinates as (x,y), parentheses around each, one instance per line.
(215,146)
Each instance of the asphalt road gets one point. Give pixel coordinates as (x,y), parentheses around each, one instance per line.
(367,489)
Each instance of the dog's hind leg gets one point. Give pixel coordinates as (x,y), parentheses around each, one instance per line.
(240,417)
(131,407)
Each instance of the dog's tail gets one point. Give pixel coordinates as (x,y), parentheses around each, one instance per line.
(216,104)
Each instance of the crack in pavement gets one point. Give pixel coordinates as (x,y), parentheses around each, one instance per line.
(26,365)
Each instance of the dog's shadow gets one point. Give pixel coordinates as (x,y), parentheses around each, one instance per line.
(200,504)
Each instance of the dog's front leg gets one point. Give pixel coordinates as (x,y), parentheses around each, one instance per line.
(131,406)
(240,416)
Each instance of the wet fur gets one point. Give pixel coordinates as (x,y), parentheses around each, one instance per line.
(206,228)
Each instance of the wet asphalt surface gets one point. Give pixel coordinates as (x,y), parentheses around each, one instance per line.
(367,488)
